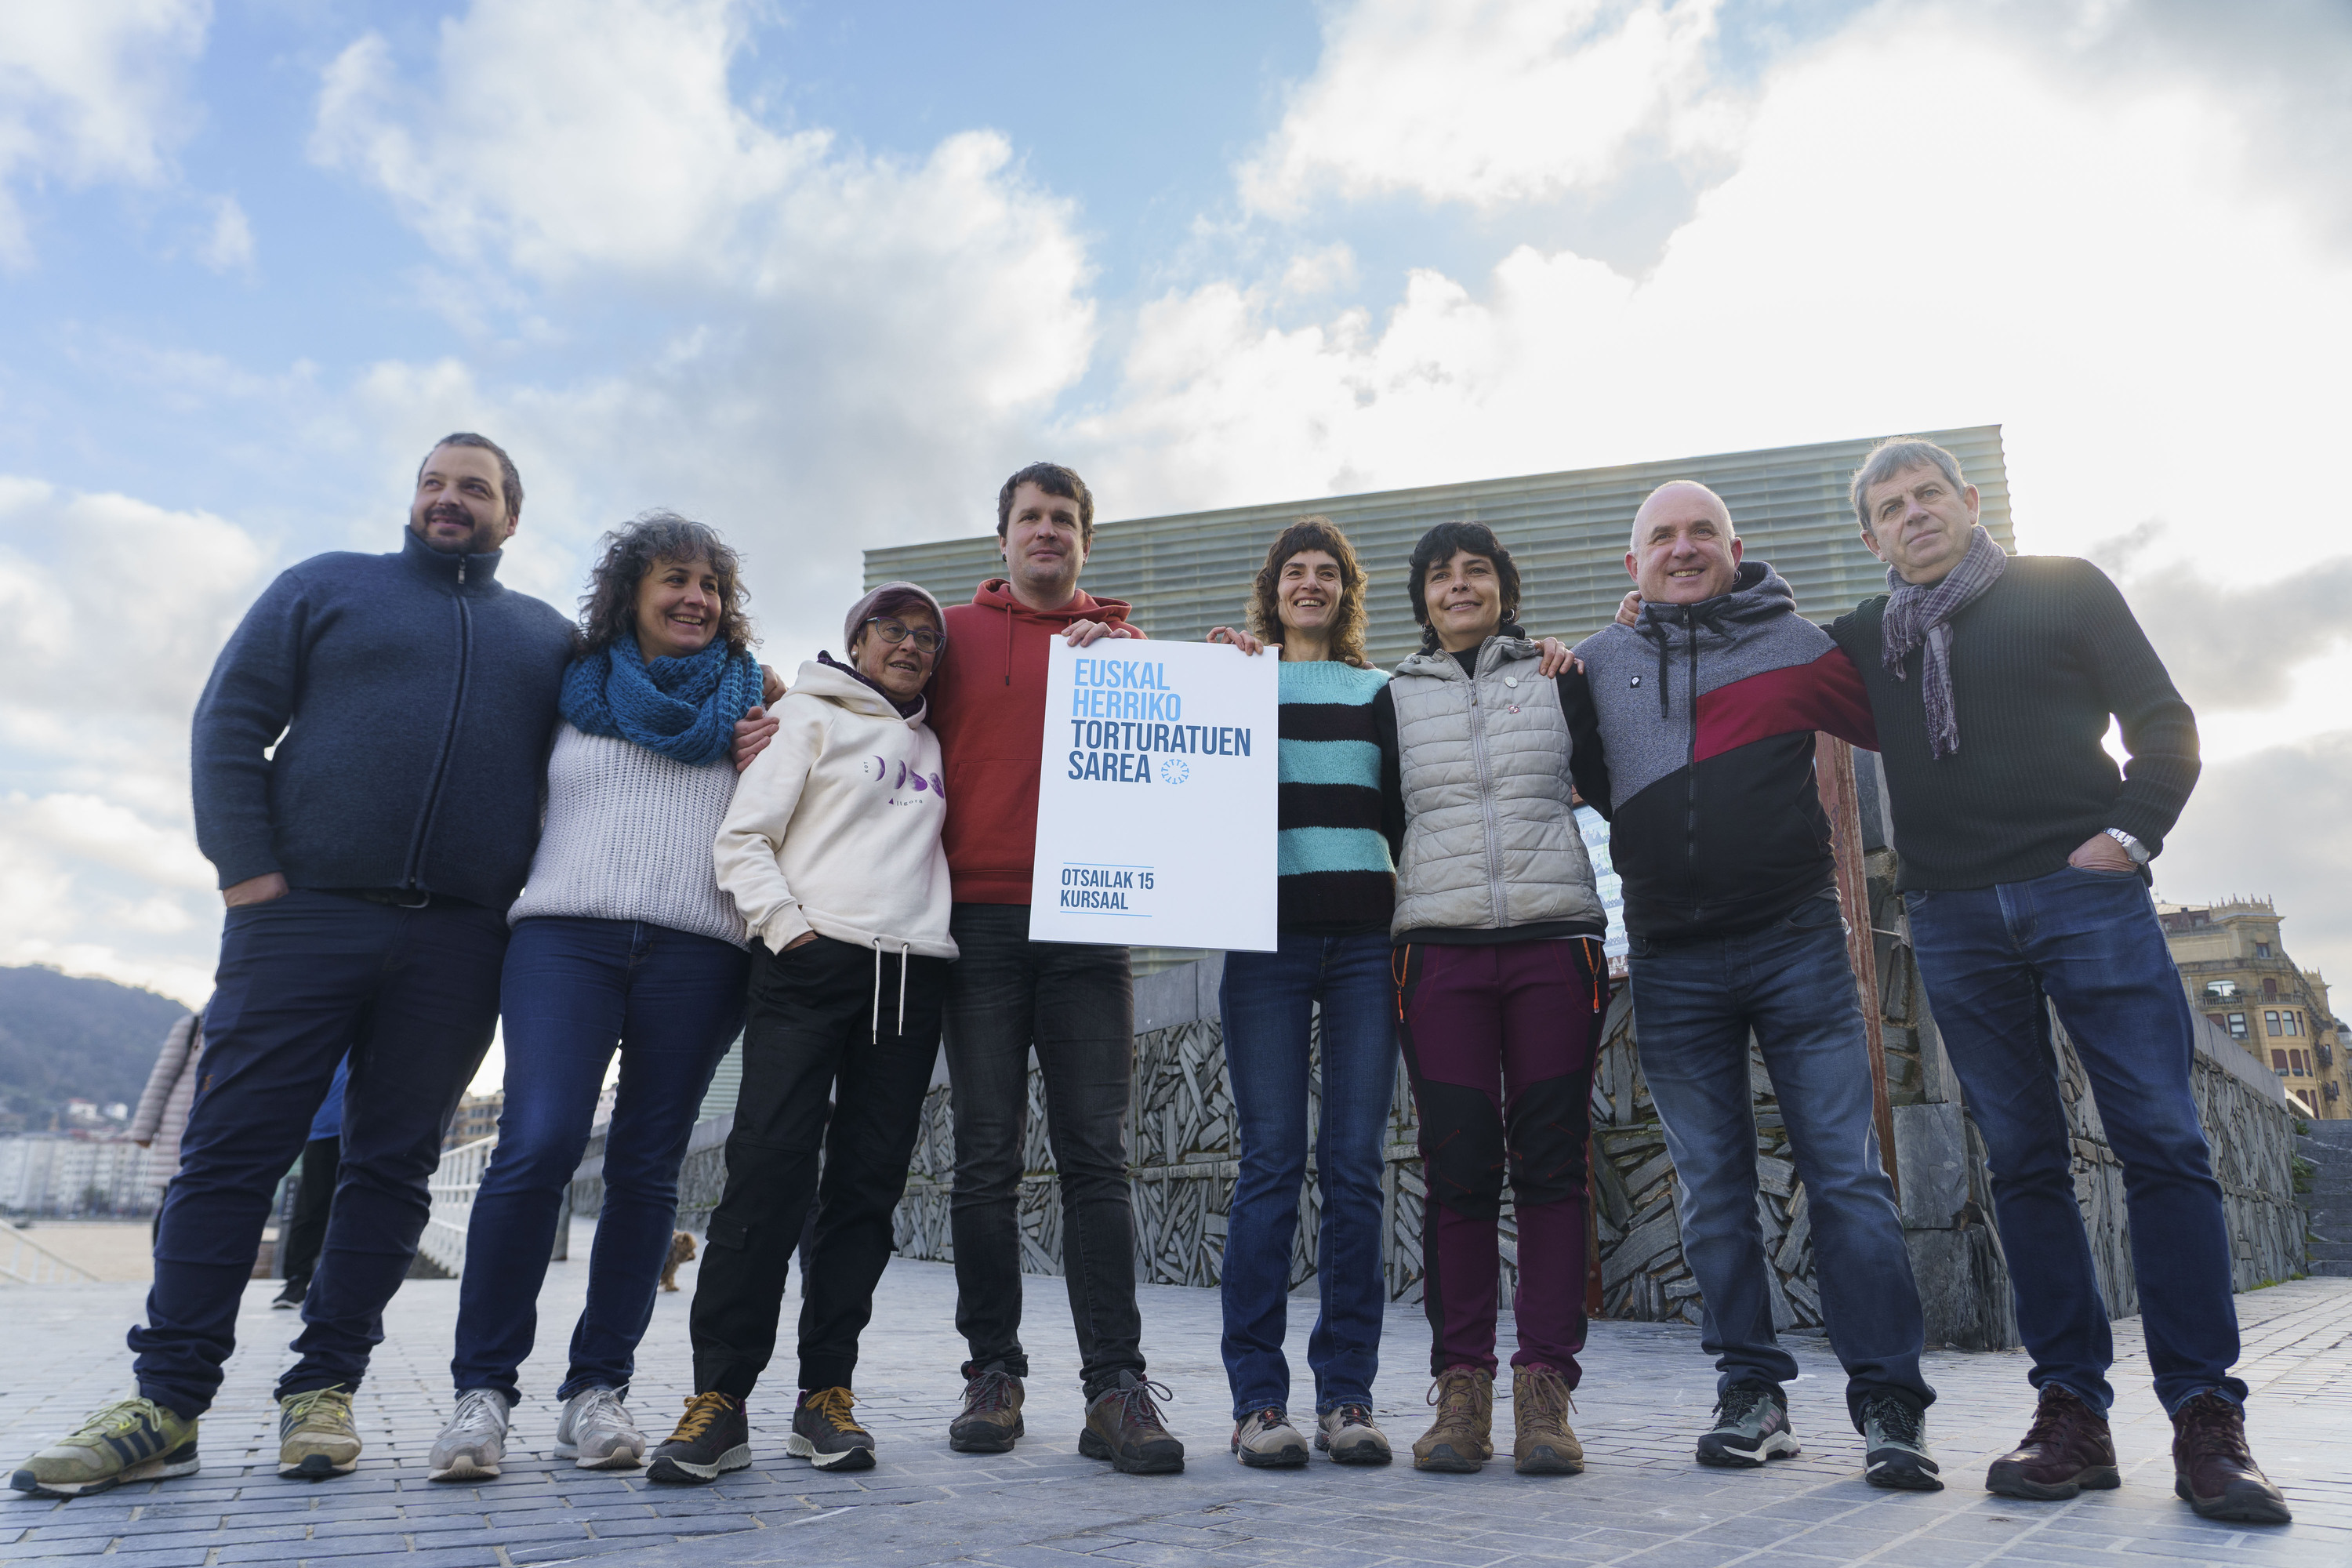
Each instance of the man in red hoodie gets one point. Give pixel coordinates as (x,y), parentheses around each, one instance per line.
(1075,1003)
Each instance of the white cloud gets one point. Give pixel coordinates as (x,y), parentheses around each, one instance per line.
(111,610)
(862,345)
(1490,102)
(91,90)
(227,246)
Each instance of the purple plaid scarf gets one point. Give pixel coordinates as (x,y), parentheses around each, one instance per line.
(1921,613)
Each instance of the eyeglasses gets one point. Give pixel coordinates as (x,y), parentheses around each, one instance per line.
(926,641)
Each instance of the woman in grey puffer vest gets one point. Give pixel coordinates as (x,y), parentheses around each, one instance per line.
(1501,986)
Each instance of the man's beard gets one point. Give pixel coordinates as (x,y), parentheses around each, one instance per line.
(481,540)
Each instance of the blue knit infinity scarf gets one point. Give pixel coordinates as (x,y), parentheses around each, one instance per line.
(684,709)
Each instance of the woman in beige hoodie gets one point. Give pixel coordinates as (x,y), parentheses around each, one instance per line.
(831,850)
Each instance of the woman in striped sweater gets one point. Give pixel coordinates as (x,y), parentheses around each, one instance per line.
(1338,889)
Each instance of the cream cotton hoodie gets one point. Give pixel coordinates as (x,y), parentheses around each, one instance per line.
(835,826)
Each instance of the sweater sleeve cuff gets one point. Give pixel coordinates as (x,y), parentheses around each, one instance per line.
(2147,825)
(244,865)
(786,926)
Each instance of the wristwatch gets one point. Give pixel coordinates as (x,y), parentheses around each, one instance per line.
(2132,846)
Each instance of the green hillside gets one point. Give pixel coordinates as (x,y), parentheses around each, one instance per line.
(71,1038)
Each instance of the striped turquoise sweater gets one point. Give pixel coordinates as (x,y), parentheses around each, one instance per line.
(1336,874)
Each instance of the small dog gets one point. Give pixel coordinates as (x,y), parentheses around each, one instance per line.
(681,1250)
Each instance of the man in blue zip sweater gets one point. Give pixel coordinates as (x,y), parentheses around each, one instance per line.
(367,768)
(1702,760)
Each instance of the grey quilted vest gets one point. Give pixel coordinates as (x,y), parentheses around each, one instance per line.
(1490,839)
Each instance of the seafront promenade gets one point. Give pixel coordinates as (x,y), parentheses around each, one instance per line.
(1642,1502)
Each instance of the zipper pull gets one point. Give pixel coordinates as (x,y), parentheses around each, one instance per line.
(461,569)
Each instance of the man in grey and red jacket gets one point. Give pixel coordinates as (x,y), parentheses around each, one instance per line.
(2024,854)
(1706,712)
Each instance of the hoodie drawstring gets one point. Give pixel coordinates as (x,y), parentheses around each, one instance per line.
(873,1028)
(1008,642)
(1663,676)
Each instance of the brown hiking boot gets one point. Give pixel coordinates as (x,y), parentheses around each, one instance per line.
(1462,1438)
(2066,1450)
(992,1413)
(1123,1426)
(2214,1471)
(1546,1446)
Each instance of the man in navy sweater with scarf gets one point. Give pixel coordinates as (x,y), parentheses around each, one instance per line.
(2025,858)
(367,767)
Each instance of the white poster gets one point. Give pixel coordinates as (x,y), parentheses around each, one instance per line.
(1156,800)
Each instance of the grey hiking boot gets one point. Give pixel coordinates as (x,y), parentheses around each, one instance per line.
(1265,1440)
(1751,1426)
(316,1437)
(1895,1444)
(1346,1433)
(595,1431)
(129,1440)
(474,1443)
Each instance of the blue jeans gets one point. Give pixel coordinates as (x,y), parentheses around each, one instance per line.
(1265,999)
(1694,1004)
(574,990)
(2089,942)
(413,996)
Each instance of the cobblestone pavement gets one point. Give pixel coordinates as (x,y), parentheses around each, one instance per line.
(1646,1393)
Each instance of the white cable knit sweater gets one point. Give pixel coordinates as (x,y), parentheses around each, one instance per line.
(628,838)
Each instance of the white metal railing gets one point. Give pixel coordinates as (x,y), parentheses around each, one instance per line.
(27,1262)
(454,1184)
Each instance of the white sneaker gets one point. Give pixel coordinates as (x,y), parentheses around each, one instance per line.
(471,1446)
(1264,1439)
(596,1429)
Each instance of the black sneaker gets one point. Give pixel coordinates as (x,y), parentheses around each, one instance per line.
(826,1435)
(1751,1426)
(290,1297)
(992,1413)
(1894,1443)
(1123,1426)
(712,1437)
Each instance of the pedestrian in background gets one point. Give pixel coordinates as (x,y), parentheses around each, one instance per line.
(624,941)
(314,1193)
(1334,897)
(162,1113)
(832,851)
(2024,873)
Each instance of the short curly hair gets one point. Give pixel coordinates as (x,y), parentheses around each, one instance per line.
(608,610)
(1349,624)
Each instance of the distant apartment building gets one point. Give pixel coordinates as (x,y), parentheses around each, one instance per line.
(2238,974)
(477,1118)
(66,1173)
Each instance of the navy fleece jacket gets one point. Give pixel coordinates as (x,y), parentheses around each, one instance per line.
(411,700)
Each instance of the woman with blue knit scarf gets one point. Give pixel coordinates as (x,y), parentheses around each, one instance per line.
(622,941)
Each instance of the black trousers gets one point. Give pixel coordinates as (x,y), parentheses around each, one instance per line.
(314,1197)
(812,1036)
(1075,1003)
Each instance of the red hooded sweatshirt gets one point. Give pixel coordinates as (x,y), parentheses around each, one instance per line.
(988,709)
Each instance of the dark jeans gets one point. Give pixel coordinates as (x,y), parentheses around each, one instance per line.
(413,996)
(2089,942)
(1075,1003)
(1500,1042)
(1265,1000)
(816,1030)
(1694,1004)
(314,1199)
(574,991)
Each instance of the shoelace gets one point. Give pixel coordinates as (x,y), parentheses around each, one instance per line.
(832,1405)
(1897,1420)
(1354,1415)
(988,1390)
(329,1408)
(700,1411)
(602,1405)
(1738,1403)
(2051,1416)
(1550,1396)
(478,1410)
(2208,1421)
(121,1416)
(1455,1396)
(1135,1401)
(1273,1416)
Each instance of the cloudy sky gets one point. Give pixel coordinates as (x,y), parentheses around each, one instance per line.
(823,274)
